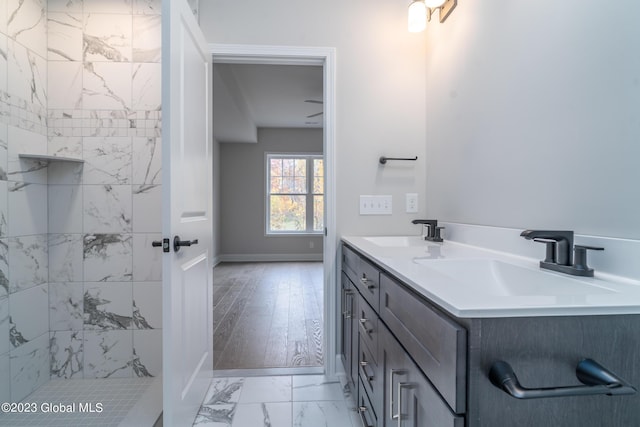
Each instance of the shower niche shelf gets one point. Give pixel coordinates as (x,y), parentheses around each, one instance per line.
(46,158)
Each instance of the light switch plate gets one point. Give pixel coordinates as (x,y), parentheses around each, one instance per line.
(376,205)
(411,200)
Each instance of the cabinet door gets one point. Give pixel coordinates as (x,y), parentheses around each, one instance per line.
(391,360)
(421,405)
(349,330)
(409,398)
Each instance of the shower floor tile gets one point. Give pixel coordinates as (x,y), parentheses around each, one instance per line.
(116,397)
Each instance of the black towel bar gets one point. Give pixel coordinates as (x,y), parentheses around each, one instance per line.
(383,159)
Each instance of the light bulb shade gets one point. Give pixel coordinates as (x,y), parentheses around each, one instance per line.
(417,16)
(431,4)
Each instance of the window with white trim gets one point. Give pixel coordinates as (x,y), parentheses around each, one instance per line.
(295,194)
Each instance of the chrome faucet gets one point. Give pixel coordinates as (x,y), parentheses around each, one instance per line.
(559,255)
(430,229)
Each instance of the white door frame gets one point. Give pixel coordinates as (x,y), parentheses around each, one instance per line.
(324,56)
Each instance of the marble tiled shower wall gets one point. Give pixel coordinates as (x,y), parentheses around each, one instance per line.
(80,284)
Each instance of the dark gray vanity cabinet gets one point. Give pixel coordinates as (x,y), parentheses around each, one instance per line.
(413,364)
(410,359)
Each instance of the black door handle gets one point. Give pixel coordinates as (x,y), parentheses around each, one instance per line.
(177,243)
(164,244)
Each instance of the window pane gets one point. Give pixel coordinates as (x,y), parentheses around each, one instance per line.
(288,213)
(318,185)
(275,167)
(276,185)
(318,167)
(300,185)
(288,185)
(318,213)
(288,167)
(318,176)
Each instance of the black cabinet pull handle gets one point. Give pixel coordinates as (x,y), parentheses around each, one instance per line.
(597,380)
(177,243)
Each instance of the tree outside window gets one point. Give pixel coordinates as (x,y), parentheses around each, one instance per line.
(295,194)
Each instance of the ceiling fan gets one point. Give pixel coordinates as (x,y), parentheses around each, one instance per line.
(312,101)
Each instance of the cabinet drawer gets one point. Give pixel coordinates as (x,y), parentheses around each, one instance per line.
(371,376)
(368,325)
(435,342)
(368,283)
(364,275)
(366,411)
(350,263)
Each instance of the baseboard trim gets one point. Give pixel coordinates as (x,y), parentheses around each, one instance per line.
(216,260)
(268,257)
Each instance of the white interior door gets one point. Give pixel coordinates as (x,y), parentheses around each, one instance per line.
(187,214)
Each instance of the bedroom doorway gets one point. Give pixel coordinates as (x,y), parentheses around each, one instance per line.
(270,307)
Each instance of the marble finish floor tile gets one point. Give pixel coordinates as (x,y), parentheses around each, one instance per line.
(316,388)
(263,414)
(266,389)
(271,401)
(320,414)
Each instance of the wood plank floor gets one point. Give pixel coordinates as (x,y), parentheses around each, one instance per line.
(268,315)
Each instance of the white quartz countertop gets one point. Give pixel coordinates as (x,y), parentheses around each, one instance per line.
(472,282)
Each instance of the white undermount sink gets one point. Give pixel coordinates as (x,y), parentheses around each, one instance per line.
(503,279)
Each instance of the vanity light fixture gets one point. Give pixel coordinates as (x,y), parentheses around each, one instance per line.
(417,16)
(420,12)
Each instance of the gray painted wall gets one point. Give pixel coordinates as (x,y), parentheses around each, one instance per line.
(380,102)
(526,113)
(242,195)
(533,117)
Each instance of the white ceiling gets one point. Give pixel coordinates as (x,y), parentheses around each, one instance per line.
(264,96)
